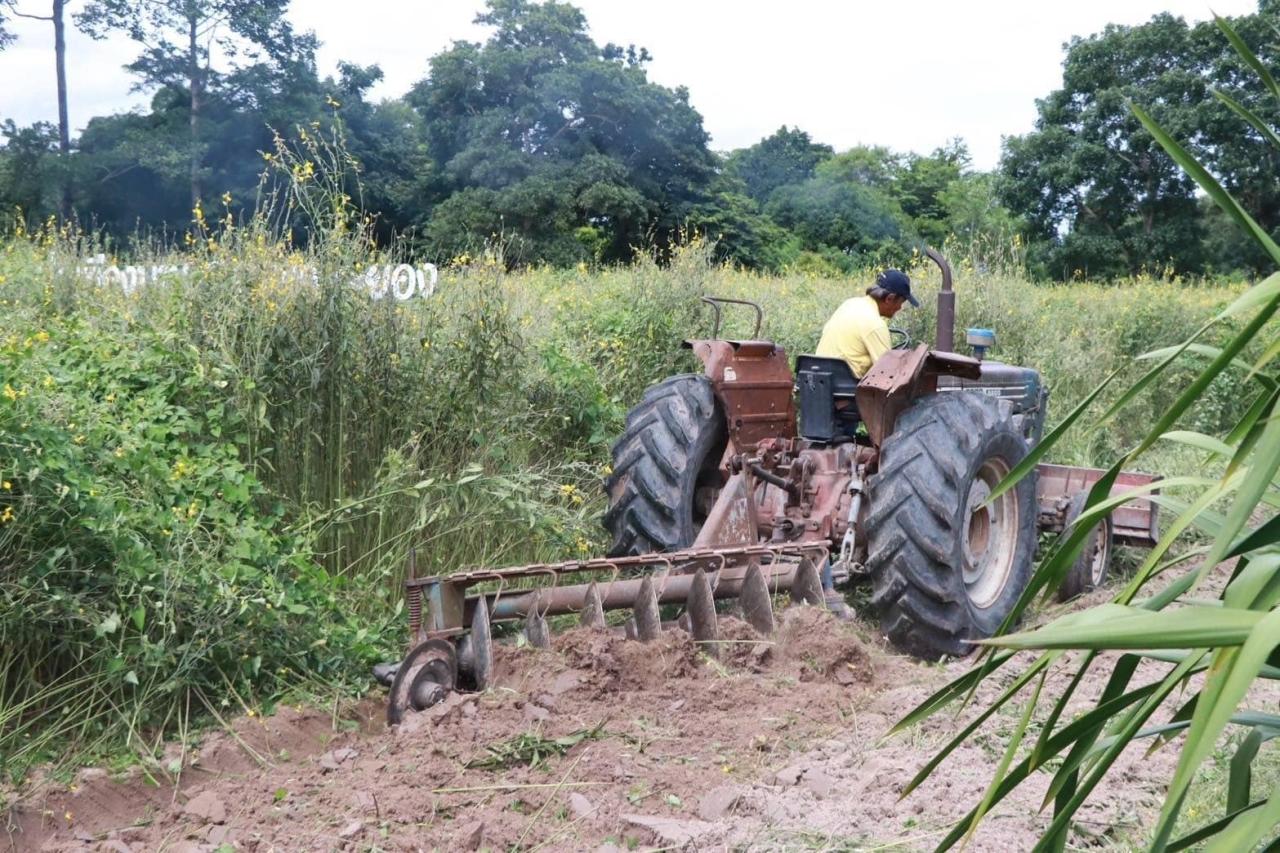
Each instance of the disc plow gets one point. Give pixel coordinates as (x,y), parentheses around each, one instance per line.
(452,618)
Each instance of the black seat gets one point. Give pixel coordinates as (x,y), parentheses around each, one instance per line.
(822,383)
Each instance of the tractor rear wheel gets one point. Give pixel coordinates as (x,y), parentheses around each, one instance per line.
(1089,571)
(946,567)
(666,464)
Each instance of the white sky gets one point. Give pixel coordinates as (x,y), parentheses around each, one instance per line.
(905,73)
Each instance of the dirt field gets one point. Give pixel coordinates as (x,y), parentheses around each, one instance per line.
(776,746)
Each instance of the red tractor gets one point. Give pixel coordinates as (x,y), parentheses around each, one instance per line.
(720,492)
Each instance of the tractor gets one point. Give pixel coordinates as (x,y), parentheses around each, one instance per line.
(741,484)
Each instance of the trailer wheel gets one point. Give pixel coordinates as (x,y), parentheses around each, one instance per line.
(666,467)
(1089,571)
(946,568)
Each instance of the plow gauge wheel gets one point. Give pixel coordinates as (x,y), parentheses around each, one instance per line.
(425,677)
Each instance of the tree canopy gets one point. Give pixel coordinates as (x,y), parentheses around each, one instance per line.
(1100,196)
(541,144)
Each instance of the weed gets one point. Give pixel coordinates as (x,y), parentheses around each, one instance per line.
(531,748)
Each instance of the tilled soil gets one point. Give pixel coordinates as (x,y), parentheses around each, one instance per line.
(598,741)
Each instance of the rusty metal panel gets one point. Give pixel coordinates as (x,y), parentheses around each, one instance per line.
(1134,523)
(887,389)
(732,520)
(753,382)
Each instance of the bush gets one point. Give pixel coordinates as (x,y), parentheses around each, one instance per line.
(146,571)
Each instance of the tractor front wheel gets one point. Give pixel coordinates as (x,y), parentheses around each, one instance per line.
(948,565)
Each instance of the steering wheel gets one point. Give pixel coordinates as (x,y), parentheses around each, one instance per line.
(899,338)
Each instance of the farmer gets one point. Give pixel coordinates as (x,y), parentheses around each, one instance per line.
(858,332)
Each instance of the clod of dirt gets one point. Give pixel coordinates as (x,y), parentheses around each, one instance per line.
(719,802)
(365,801)
(741,647)
(206,806)
(352,829)
(219,835)
(824,647)
(670,830)
(580,806)
(471,836)
(613,663)
(334,759)
(786,777)
(819,783)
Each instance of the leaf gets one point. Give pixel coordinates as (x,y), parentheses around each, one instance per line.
(1116,626)
(139,616)
(1241,772)
(1207,183)
(1244,113)
(1042,447)
(1229,678)
(1015,740)
(109,625)
(1247,55)
(1200,441)
(280,794)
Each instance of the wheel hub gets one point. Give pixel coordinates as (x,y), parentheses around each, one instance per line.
(991,531)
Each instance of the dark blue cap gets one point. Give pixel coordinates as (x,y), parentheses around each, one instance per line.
(897,283)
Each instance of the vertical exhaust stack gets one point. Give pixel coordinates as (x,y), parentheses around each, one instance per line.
(946,337)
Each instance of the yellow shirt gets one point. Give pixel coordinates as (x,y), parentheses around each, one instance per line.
(857,333)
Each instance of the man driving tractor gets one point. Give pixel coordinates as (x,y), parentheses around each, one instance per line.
(858,332)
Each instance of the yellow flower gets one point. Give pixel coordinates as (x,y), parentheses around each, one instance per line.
(7,485)
(10,393)
(7,515)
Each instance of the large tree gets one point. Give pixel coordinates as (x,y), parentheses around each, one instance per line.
(553,145)
(1100,196)
(179,40)
(789,156)
(57,18)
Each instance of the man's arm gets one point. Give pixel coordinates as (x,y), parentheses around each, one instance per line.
(877,342)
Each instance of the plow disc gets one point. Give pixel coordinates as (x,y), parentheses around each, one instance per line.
(452,635)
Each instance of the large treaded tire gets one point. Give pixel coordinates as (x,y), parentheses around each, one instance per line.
(671,447)
(920,528)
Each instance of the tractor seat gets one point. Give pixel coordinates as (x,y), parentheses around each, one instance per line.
(821,383)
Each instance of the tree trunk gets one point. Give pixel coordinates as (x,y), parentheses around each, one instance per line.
(194,78)
(64,124)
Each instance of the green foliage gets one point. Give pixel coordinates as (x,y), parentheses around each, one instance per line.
(1100,196)
(177,43)
(146,569)
(539,132)
(789,156)
(1203,647)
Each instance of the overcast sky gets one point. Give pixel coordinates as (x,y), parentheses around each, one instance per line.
(905,73)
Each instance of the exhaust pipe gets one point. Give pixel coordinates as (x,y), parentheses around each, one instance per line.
(946,335)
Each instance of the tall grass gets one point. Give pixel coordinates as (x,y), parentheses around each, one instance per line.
(211,484)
